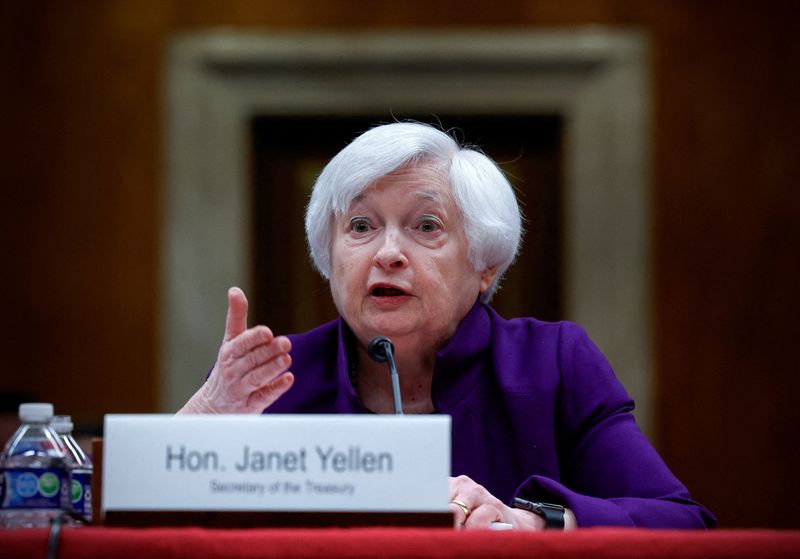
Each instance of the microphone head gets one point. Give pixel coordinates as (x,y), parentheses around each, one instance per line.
(378,348)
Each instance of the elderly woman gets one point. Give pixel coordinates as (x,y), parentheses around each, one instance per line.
(414,233)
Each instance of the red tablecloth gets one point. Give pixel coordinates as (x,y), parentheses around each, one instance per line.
(197,543)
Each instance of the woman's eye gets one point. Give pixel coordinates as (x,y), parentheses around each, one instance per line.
(359,226)
(429,225)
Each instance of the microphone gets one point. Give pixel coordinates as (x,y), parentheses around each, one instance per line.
(381,350)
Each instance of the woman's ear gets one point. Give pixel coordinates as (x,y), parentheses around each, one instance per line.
(487,278)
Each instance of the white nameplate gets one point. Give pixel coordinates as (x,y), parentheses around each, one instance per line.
(276,463)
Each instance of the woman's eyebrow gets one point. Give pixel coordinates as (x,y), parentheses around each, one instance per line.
(432,195)
(355,202)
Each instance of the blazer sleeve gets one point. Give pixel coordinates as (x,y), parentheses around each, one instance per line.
(610,474)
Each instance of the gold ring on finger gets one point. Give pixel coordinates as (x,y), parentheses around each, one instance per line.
(462,506)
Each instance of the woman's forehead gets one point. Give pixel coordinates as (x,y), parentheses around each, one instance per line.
(420,181)
(424,193)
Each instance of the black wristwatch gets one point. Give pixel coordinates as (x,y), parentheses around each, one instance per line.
(553,514)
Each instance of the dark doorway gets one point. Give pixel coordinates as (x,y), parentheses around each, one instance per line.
(288,154)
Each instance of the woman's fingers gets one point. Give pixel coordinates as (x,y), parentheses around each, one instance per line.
(236,321)
(263,374)
(483,515)
(472,505)
(241,376)
(475,508)
(246,341)
(268,394)
(252,365)
(250,350)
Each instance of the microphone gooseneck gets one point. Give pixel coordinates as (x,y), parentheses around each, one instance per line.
(381,350)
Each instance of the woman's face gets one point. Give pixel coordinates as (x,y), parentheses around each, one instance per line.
(400,264)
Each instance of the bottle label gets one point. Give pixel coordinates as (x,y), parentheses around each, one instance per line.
(81,494)
(33,488)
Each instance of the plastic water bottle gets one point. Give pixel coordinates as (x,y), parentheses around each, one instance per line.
(80,469)
(34,471)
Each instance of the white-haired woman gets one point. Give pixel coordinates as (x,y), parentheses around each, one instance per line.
(414,233)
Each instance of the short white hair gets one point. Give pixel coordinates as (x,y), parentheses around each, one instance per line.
(492,218)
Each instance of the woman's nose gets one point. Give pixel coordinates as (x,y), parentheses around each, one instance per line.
(390,253)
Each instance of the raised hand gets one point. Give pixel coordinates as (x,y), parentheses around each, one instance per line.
(252,368)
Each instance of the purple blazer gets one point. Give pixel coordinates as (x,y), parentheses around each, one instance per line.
(537,412)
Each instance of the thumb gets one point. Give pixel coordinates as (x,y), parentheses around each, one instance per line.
(236,321)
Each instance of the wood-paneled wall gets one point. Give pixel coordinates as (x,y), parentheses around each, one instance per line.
(83,182)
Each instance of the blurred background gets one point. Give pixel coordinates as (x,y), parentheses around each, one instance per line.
(84,177)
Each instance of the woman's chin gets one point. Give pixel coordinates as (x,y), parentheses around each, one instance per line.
(394,324)
(395,328)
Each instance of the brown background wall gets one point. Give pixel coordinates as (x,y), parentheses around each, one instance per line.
(82,183)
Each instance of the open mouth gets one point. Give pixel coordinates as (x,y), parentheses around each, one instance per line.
(386,291)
